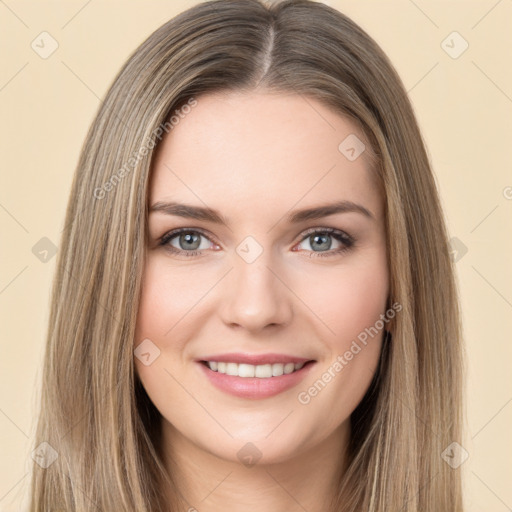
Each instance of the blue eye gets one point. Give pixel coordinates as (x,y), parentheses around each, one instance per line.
(322,239)
(189,241)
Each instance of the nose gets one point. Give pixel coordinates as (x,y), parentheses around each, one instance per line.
(255,296)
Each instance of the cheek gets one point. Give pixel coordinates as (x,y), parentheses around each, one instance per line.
(165,300)
(351,306)
(168,296)
(347,299)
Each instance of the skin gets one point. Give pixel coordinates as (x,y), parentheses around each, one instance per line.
(255,157)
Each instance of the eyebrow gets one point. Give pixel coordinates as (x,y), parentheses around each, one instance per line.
(211,215)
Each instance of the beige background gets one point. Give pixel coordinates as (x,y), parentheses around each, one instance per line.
(464,107)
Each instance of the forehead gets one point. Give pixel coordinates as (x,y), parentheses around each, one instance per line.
(262,149)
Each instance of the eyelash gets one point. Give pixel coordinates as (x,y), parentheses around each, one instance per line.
(341,236)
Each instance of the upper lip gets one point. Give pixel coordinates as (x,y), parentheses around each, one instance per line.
(254,359)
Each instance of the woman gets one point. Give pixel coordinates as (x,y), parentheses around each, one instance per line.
(254,302)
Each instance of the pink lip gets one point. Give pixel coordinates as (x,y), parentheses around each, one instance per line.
(254,359)
(255,387)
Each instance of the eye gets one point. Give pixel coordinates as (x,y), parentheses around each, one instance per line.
(320,241)
(187,240)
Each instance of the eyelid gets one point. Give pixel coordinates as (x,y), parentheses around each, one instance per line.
(325,229)
(174,232)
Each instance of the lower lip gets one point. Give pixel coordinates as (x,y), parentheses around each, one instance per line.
(255,387)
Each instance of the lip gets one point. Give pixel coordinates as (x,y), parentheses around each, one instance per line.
(254,359)
(256,388)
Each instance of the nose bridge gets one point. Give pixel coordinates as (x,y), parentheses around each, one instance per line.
(254,296)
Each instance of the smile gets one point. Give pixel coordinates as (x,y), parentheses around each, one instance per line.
(254,381)
(261,371)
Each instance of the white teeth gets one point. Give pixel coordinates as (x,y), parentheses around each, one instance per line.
(289,368)
(277,370)
(262,371)
(231,369)
(245,370)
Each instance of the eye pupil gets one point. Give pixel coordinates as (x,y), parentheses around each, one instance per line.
(325,245)
(188,238)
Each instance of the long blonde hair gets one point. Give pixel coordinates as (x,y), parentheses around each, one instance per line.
(102,431)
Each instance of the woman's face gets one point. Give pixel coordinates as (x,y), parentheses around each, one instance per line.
(257,279)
